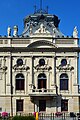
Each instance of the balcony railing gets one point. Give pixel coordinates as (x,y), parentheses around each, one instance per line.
(42,92)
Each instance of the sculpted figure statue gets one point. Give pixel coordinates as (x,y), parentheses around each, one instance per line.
(9,31)
(42,28)
(31,29)
(75,32)
(15,33)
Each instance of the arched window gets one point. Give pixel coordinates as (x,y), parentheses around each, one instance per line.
(41,76)
(64,81)
(19,82)
(42,81)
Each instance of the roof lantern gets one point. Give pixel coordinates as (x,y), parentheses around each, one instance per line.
(41,19)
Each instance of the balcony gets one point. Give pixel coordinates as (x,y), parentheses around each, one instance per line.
(42,92)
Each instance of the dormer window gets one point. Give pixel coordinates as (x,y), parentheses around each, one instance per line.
(63,62)
(41,62)
(19,62)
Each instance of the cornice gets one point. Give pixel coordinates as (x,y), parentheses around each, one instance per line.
(25,49)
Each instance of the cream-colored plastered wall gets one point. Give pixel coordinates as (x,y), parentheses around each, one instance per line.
(72,61)
(27,62)
(49,61)
(31,60)
(31,75)
(5,80)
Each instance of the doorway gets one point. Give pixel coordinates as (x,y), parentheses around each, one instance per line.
(42,105)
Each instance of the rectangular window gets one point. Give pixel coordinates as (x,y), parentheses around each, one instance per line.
(19,84)
(63,84)
(19,105)
(64,105)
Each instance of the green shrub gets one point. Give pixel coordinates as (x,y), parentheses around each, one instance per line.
(23,118)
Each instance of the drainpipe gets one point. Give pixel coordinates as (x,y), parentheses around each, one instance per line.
(55,73)
(55,82)
(11,84)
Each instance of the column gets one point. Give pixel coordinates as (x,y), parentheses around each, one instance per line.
(52,81)
(75,69)
(9,75)
(4,74)
(48,81)
(70,82)
(31,77)
(55,69)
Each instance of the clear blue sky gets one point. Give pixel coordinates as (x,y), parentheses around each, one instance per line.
(12,13)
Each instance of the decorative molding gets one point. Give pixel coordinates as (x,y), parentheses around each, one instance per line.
(45,67)
(22,67)
(4,68)
(65,68)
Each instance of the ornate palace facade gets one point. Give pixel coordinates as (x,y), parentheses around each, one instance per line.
(39,68)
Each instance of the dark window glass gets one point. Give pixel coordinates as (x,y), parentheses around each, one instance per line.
(19,82)
(19,105)
(42,81)
(64,105)
(63,82)
(41,62)
(41,76)
(63,62)
(19,62)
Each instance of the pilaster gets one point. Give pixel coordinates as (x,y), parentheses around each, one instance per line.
(9,76)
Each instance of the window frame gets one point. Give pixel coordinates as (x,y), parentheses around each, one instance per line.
(19,105)
(64,105)
(64,82)
(20,82)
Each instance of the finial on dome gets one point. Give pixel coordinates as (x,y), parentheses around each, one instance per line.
(40,10)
